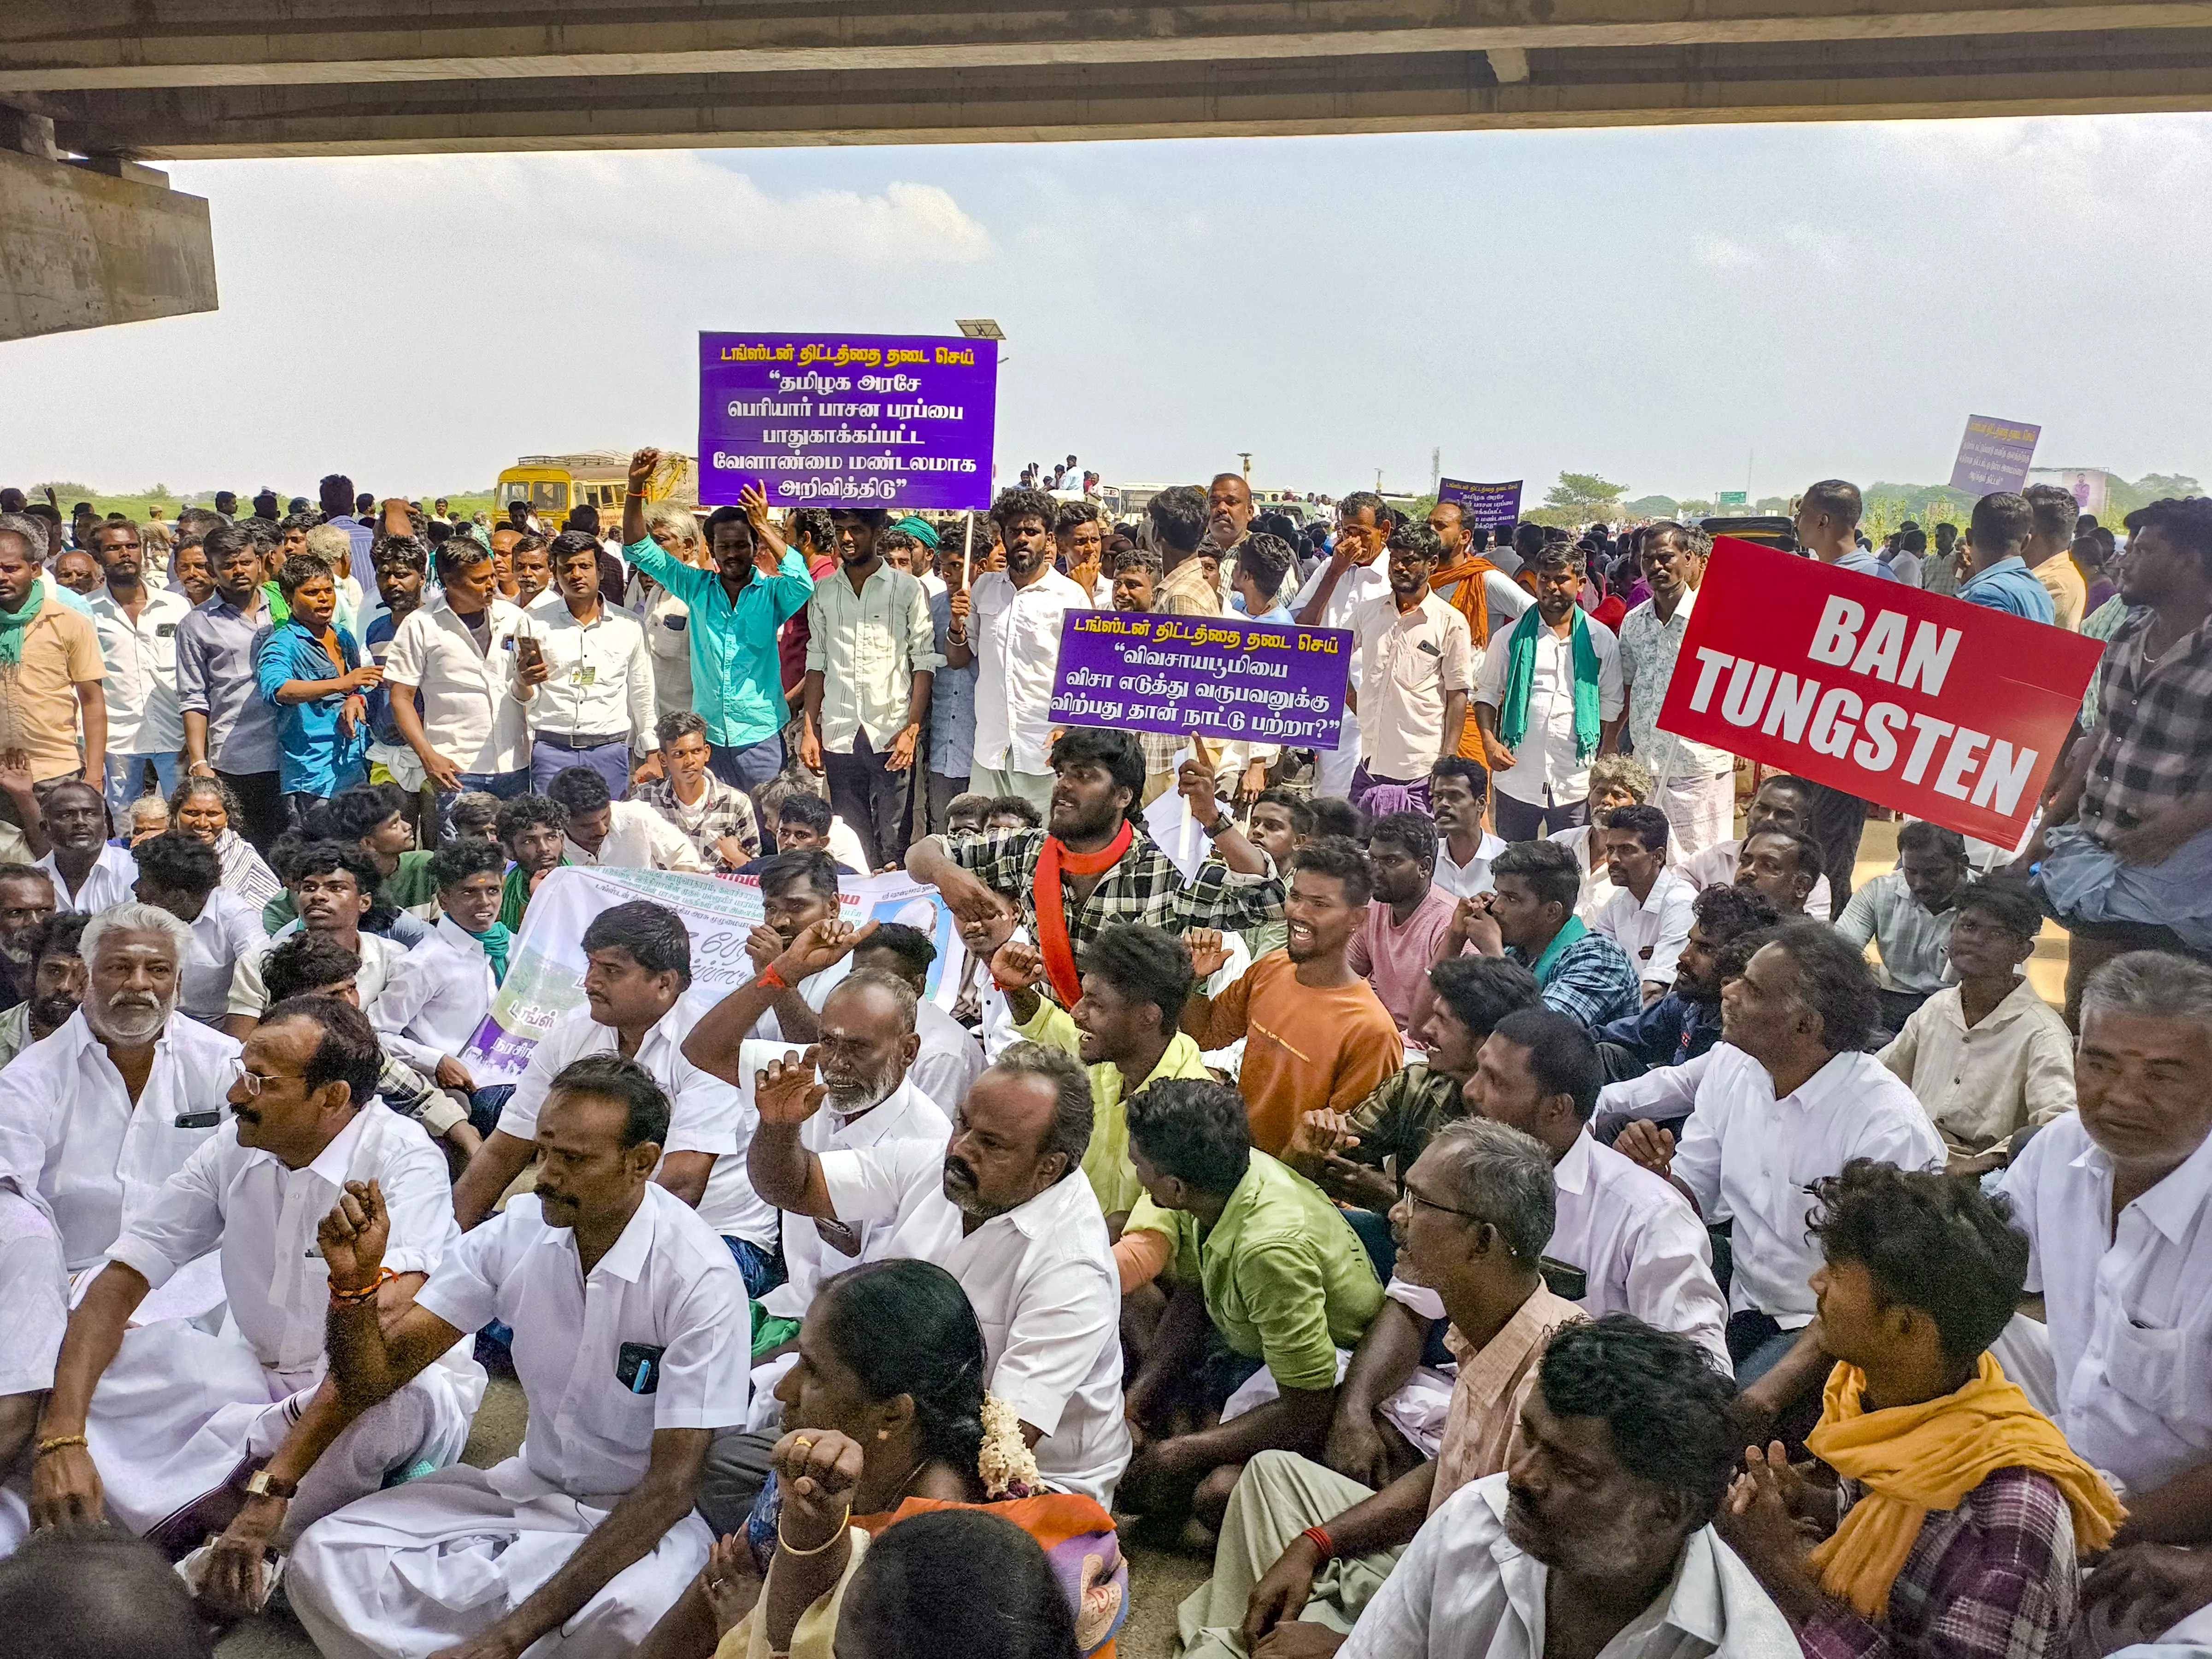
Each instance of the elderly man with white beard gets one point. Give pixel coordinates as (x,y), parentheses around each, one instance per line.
(97,1115)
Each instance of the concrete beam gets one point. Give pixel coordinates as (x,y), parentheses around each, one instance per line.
(70,46)
(84,248)
(1622,85)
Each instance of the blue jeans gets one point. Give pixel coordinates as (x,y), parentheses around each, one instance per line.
(760,1265)
(749,768)
(124,773)
(501,785)
(610,761)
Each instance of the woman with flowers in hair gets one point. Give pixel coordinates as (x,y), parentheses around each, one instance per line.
(885,1418)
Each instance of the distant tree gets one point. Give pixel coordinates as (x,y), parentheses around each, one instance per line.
(1652,507)
(1575,491)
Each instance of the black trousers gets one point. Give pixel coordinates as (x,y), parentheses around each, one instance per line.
(875,802)
(1837,821)
(1518,821)
(268,813)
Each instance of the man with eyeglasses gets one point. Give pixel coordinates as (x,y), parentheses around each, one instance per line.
(96,1116)
(165,1427)
(1472,1224)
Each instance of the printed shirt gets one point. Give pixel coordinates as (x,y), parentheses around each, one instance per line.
(2009,585)
(2102,623)
(1983,1085)
(737,679)
(1015,634)
(2156,718)
(1145,887)
(723,809)
(141,661)
(215,648)
(1411,661)
(314,756)
(668,1287)
(868,646)
(1994,1578)
(952,701)
(466,692)
(1286,1280)
(2129,1306)
(1648,648)
(599,682)
(1915,943)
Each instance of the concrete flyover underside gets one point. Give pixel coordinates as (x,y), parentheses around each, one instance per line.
(141,80)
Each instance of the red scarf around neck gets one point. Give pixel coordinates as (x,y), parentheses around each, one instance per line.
(1053,941)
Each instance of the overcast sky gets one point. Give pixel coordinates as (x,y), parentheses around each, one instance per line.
(1668,307)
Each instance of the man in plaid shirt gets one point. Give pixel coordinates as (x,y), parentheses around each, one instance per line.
(1920,1430)
(1099,777)
(2126,847)
(1530,916)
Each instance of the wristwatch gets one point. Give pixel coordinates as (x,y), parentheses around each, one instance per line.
(262,1484)
(1220,827)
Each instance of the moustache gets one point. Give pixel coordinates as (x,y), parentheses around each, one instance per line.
(955,1169)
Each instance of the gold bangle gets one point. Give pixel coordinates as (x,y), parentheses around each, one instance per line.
(789,1548)
(63,1441)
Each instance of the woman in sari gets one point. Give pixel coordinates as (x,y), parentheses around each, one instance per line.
(885,1419)
(204,809)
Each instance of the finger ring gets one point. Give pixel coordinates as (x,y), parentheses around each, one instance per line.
(804,1443)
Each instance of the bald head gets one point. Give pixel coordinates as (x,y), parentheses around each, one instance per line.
(97,1594)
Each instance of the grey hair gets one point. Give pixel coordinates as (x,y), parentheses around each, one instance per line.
(1629,772)
(2150,985)
(679,521)
(1505,1177)
(874,979)
(1070,1133)
(136,918)
(330,544)
(33,531)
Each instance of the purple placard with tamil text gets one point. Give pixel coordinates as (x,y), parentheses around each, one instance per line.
(1994,456)
(1215,677)
(1489,506)
(898,420)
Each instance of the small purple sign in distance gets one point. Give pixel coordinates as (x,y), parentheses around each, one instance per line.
(1213,677)
(1489,506)
(898,420)
(1994,456)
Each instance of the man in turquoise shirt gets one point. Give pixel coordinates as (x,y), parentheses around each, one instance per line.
(757,584)
(1994,542)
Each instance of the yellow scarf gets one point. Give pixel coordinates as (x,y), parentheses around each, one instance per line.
(1912,1459)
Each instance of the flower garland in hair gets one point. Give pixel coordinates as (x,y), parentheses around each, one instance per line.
(1006,1465)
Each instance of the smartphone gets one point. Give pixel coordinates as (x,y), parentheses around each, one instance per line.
(527,652)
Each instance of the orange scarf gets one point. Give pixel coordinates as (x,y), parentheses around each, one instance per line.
(1472,603)
(1052,942)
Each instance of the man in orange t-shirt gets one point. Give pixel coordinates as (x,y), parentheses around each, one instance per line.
(1316,1036)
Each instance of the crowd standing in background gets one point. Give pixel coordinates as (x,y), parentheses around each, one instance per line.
(1489,1203)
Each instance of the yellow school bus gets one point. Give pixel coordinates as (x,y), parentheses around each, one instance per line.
(552,486)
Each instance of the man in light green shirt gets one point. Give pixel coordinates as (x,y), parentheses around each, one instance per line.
(1269,1274)
(1125,1027)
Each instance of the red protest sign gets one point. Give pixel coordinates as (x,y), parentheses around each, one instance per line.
(1947,711)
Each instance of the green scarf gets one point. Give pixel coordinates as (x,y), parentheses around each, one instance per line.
(15,624)
(1562,941)
(514,898)
(1521,675)
(495,939)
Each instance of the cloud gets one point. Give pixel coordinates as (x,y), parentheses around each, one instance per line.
(1724,252)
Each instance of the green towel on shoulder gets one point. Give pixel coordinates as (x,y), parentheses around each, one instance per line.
(1520,677)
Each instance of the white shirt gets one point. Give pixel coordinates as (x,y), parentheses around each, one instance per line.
(668,638)
(68,1126)
(706,1114)
(1982,1086)
(34,1291)
(1904,567)
(668,1291)
(470,704)
(1464,1591)
(1361,586)
(1654,931)
(1545,768)
(227,930)
(599,682)
(111,881)
(950,1058)
(263,1216)
(141,661)
(1717,863)
(1015,634)
(813,991)
(1597,888)
(1469,879)
(1749,1158)
(379,961)
(638,838)
(437,998)
(906,1114)
(1410,662)
(1042,1282)
(2129,1308)
(868,646)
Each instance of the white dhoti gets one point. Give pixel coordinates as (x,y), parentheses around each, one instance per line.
(423,1566)
(179,1411)
(1333,768)
(1700,811)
